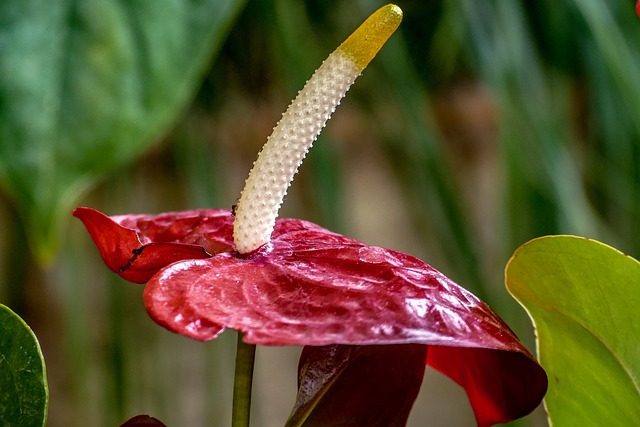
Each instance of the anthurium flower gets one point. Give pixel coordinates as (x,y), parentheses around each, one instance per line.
(310,286)
(358,309)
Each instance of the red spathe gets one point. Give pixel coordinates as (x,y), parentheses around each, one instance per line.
(310,286)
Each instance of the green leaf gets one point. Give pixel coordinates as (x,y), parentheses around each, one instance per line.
(87,86)
(23,381)
(583,297)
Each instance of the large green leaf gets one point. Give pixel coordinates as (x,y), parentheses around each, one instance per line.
(23,381)
(584,298)
(86,86)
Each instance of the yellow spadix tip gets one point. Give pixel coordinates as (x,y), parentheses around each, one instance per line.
(368,39)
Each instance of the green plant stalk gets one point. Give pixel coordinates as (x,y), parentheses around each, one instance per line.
(243,379)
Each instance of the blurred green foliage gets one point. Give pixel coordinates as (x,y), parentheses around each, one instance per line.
(485,123)
(85,88)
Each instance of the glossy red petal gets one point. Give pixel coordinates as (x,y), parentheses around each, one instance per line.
(344,385)
(137,246)
(310,286)
(501,385)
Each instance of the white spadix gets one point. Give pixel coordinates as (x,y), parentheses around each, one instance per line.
(285,149)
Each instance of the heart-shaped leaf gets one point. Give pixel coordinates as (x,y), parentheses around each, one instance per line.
(583,297)
(344,385)
(23,382)
(86,87)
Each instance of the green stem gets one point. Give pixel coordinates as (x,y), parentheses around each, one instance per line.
(245,356)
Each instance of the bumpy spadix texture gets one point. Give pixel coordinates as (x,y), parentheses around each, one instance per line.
(300,125)
(285,149)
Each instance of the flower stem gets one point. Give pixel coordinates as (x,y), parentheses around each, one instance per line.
(243,379)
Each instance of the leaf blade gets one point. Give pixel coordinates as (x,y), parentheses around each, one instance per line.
(581,295)
(24,392)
